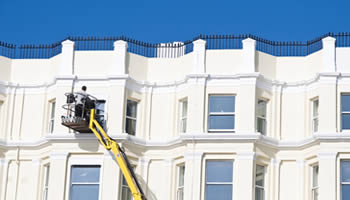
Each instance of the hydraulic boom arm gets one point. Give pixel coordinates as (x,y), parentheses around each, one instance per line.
(119,155)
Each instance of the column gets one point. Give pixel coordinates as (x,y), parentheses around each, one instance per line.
(327,175)
(193,175)
(248,64)
(58,176)
(244,175)
(329,54)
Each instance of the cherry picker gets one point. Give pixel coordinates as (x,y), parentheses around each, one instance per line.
(90,120)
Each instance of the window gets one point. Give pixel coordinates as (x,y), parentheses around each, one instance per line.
(85,182)
(219,180)
(259,182)
(261,116)
(52,116)
(315,182)
(180,184)
(126,193)
(345,180)
(183,116)
(221,113)
(131,111)
(315,115)
(46,182)
(345,111)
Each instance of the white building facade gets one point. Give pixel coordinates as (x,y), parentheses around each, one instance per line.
(197,123)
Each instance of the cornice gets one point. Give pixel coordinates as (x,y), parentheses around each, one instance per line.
(184,139)
(171,86)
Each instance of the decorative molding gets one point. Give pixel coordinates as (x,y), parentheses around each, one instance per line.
(246,156)
(327,155)
(197,155)
(59,155)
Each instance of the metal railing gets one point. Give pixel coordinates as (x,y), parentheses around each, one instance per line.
(176,49)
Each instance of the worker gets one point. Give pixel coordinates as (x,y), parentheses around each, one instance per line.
(80,98)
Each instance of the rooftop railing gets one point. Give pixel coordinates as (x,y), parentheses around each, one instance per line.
(175,49)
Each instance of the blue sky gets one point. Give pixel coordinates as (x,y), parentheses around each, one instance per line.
(47,21)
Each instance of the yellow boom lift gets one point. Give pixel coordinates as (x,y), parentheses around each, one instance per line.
(90,119)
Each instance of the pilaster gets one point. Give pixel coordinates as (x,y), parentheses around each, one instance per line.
(327,175)
(193,172)
(329,54)
(4,168)
(58,175)
(67,58)
(244,175)
(249,48)
(199,56)
(119,58)
(246,99)
(328,103)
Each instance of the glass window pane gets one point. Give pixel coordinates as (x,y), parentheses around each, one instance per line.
(126,193)
(219,171)
(260,175)
(184,108)
(86,174)
(345,192)
(130,126)
(315,108)
(261,125)
(221,122)
(131,108)
(345,121)
(218,192)
(181,176)
(345,102)
(183,125)
(259,194)
(345,171)
(315,176)
(53,105)
(221,103)
(261,108)
(84,192)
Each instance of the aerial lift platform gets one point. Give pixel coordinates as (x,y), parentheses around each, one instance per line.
(91,121)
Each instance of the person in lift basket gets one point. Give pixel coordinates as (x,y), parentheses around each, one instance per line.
(82,102)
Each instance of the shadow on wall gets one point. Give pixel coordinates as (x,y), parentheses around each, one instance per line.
(148,192)
(89,145)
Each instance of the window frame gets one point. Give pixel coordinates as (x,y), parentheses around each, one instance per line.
(178,187)
(86,160)
(71,183)
(124,186)
(51,117)
(264,184)
(45,183)
(130,117)
(343,112)
(264,119)
(221,114)
(313,187)
(183,117)
(313,117)
(218,183)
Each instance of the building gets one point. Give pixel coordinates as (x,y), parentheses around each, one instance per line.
(216,118)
